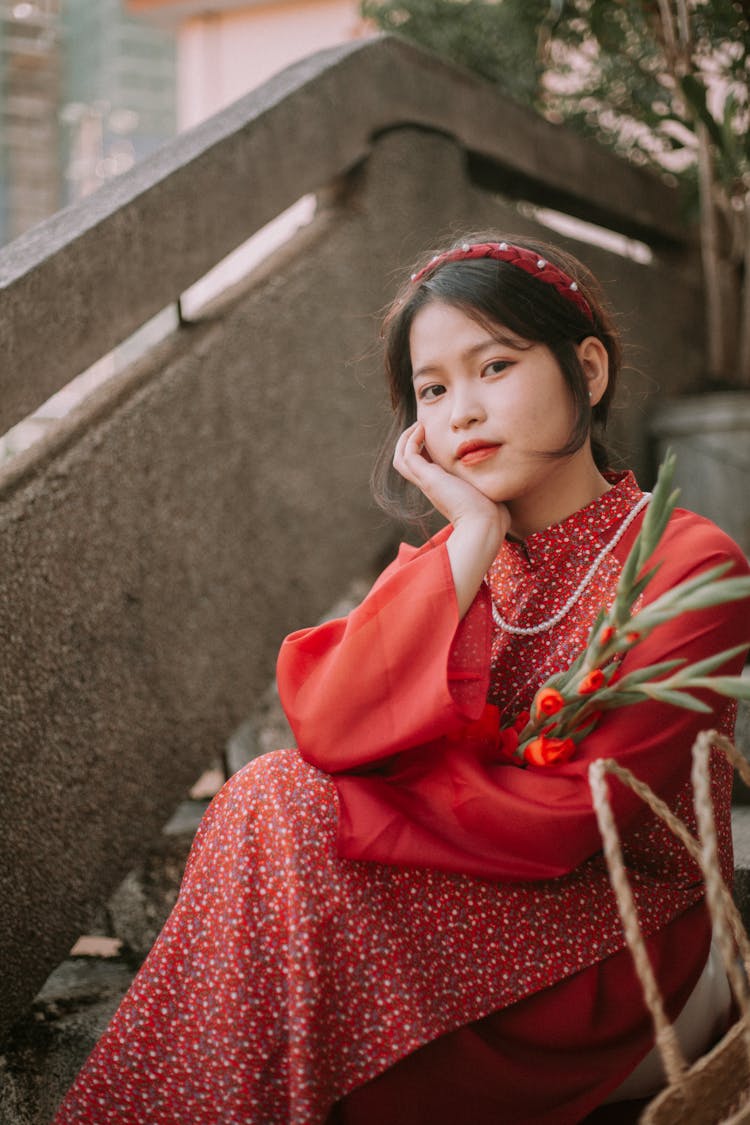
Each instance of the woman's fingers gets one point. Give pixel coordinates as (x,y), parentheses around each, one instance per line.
(408,458)
(450,495)
(462,504)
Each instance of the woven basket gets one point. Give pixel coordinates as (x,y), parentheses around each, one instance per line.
(715,1090)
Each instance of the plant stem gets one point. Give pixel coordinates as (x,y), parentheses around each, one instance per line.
(670,39)
(743,359)
(686,30)
(710,255)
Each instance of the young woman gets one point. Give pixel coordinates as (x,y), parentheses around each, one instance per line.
(395,922)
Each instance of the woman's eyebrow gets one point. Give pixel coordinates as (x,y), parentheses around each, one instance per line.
(467,354)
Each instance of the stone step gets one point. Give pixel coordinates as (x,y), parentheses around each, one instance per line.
(741,837)
(50,1043)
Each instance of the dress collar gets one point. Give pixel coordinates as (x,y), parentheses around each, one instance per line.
(586,531)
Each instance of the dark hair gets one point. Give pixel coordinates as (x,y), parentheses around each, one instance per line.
(498,294)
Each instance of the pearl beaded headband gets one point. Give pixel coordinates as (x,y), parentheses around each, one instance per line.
(527,260)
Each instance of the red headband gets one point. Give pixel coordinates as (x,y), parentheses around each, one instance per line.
(528,260)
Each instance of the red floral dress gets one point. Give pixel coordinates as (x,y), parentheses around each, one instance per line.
(392,885)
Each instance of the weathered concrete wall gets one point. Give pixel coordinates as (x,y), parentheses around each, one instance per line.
(63,283)
(158,545)
(149,569)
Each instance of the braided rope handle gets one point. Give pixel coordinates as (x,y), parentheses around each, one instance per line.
(725,918)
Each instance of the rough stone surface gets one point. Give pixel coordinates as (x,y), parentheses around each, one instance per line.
(50,1042)
(158,544)
(710,437)
(741,832)
(141,904)
(150,564)
(210,188)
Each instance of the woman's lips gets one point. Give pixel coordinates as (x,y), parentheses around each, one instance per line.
(473,452)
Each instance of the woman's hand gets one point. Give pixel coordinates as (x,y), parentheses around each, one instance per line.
(453,497)
(479,524)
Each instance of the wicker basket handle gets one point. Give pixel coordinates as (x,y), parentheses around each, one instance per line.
(727,924)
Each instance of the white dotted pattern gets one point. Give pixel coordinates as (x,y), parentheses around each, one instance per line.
(286,976)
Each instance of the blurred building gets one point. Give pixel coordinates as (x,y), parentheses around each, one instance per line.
(31,185)
(86,89)
(227,47)
(119,87)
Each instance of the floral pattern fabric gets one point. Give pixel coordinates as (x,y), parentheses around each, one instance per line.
(287,974)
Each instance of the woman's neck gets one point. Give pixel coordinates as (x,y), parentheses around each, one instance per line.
(578,483)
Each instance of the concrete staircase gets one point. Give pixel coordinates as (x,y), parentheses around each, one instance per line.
(51,1041)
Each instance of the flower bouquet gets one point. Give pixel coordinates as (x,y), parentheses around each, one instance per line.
(569,704)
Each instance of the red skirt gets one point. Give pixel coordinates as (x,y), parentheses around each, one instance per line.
(289,985)
(548,1060)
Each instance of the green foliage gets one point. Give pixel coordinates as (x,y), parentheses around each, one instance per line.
(621,628)
(615,71)
(606,67)
(663,82)
(497,41)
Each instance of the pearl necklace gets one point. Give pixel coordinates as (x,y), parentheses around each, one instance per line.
(532,630)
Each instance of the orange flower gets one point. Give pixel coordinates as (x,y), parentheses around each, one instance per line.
(549,751)
(591,682)
(548,702)
(607,634)
(631,638)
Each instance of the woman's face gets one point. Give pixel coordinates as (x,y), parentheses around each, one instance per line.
(490,409)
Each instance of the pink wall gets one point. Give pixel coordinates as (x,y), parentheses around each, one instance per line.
(222,55)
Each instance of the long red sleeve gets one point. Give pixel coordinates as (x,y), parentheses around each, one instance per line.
(378,693)
(389,676)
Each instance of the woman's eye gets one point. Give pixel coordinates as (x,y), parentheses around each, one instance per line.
(496,367)
(434,390)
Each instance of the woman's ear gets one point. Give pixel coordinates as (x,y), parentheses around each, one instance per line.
(594,360)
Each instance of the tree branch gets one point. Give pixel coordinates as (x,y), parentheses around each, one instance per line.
(710,255)
(743,360)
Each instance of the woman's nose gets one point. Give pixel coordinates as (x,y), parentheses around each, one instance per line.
(467,409)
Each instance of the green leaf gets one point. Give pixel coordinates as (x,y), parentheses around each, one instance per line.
(663,503)
(596,627)
(582,732)
(642,675)
(642,583)
(556,680)
(736,687)
(677,698)
(609,698)
(631,590)
(703,667)
(676,599)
